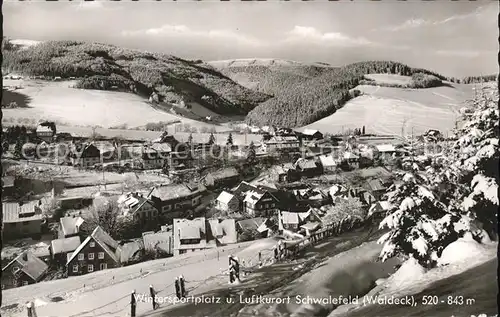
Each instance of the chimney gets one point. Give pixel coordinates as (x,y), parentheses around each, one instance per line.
(25,257)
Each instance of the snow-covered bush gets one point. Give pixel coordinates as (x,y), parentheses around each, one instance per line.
(455,195)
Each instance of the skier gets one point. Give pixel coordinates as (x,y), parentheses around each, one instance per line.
(182,285)
(177,288)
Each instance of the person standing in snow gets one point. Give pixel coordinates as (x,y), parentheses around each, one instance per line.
(231,272)
(236,268)
(182,285)
(276,253)
(177,288)
(153,296)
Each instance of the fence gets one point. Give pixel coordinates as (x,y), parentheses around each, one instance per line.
(292,249)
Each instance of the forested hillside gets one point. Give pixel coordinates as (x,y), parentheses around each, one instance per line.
(312,99)
(100,66)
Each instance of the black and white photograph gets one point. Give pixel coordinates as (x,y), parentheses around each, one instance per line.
(249,158)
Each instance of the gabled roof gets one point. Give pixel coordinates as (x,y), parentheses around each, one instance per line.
(70,225)
(8,181)
(244,187)
(310,132)
(253,196)
(108,244)
(223,230)
(293,217)
(350,156)
(29,264)
(311,225)
(41,128)
(171,192)
(251,224)
(327,161)
(375,185)
(306,164)
(162,240)
(161,147)
(65,245)
(386,148)
(130,251)
(189,229)
(29,211)
(224,173)
(225,197)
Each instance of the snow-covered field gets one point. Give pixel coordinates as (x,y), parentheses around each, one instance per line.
(79,177)
(389,79)
(107,293)
(56,101)
(385,110)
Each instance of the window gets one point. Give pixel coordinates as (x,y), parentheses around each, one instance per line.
(90,268)
(103,266)
(75,268)
(25,283)
(182,251)
(101,255)
(91,256)
(80,257)
(92,244)
(167,207)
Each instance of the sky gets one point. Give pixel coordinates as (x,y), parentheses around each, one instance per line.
(452,38)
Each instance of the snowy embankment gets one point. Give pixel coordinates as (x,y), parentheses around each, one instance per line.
(350,273)
(107,293)
(457,258)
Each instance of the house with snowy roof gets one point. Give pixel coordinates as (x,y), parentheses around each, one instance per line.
(96,253)
(292,221)
(260,203)
(138,208)
(201,234)
(172,200)
(69,227)
(60,248)
(25,269)
(260,226)
(161,241)
(45,133)
(311,134)
(227,202)
(23,219)
(328,163)
(224,177)
(307,167)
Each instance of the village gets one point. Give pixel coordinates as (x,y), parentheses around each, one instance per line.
(199,194)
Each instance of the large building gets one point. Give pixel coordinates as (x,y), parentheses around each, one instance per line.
(200,234)
(283,143)
(172,200)
(260,203)
(96,253)
(22,219)
(85,156)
